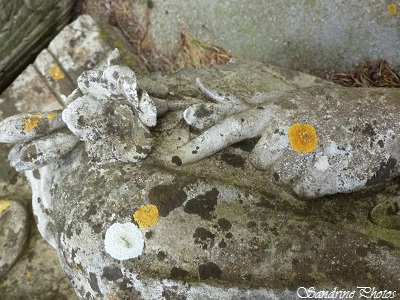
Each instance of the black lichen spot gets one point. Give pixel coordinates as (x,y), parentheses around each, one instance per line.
(36,174)
(78,231)
(172,294)
(178,273)
(202,112)
(260,107)
(37,89)
(140,149)
(203,237)
(109,110)
(167,198)
(148,234)
(81,121)
(393,210)
(203,205)
(29,154)
(234,160)
(209,270)
(381,144)
(91,210)
(195,151)
(161,255)
(176,160)
(68,232)
(222,244)
(229,235)
(93,282)
(224,224)
(115,75)
(276,176)
(112,273)
(97,228)
(368,130)
(246,145)
(251,225)
(384,172)
(73,254)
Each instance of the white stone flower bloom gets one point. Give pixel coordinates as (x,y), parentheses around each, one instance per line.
(124,241)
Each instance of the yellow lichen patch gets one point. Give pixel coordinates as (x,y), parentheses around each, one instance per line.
(31,122)
(303,137)
(4,204)
(56,73)
(50,116)
(28,276)
(392,9)
(146,216)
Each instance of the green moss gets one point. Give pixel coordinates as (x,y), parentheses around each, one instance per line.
(102,34)
(120,47)
(389,235)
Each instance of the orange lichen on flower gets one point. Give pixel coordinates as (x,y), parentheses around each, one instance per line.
(4,204)
(31,122)
(50,116)
(146,216)
(392,9)
(303,137)
(56,73)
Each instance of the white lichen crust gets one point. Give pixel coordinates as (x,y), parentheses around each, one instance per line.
(124,241)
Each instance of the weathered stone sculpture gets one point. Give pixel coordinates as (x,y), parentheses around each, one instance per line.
(140,207)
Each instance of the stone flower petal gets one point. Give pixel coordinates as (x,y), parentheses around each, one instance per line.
(91,82)
(40,152)
(27,126)
(147,110)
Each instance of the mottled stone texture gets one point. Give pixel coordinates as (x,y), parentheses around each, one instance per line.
(227,227)
(26,28)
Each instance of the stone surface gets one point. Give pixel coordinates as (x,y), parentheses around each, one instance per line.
(306,35)
(26,28)
(14,225)
(223,228)
(37,274)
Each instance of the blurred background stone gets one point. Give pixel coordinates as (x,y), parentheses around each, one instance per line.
(27,26)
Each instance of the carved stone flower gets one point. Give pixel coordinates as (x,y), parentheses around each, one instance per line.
(105,112)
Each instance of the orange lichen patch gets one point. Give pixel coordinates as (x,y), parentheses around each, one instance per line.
(392,9)
(56,73)
(4,204)
(303,137)
(146,216)
(31,122)
(50,116)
